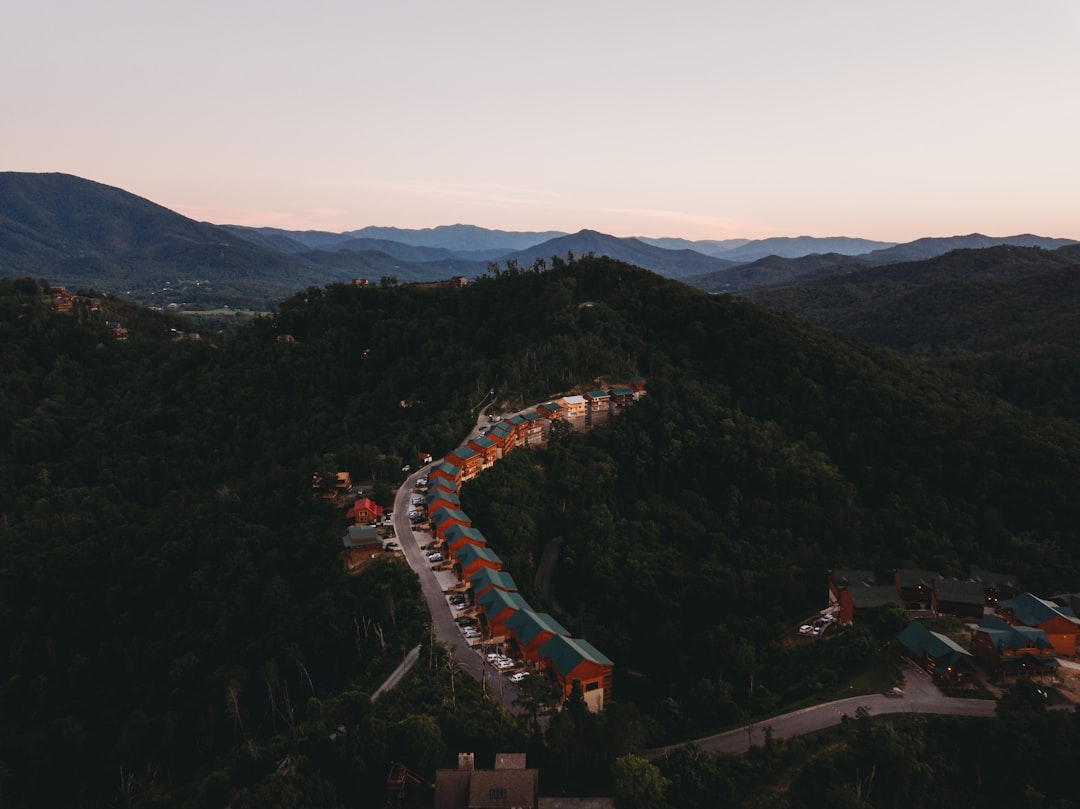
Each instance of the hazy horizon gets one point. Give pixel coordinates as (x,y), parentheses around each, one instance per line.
(696,120)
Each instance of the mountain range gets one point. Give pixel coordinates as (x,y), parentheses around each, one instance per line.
(84,234)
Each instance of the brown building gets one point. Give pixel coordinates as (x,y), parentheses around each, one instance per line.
(857,600)
(965,599)
(1059,623)
(510,785)
(915,587)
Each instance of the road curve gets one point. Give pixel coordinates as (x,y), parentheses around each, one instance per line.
(919,697)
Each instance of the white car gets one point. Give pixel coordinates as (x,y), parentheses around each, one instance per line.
(518,676)
(505,663)
(805,629)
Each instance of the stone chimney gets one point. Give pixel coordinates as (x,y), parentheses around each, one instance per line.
(465,761)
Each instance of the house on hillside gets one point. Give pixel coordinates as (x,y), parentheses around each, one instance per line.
(938,655)
(487,449)
(510,784)
(443,518)
(458,536)
(568,659)
(620,397)
(487,578)
(365,512)
(859,599)
(437,498)
(469,460)
(530,630)
(842,579)
(470,559)
(360,542)
(447,471)
(1013,651)
(1059,623)
(599,407)
(637,385)
(575,410)
(497,606)
(964,599)
(503,436)
(532,430)
(915,587)
(997,587)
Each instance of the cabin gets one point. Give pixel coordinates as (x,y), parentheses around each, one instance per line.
(530,630)
(437,498)
(458,281)
(499,605)
(858,599)
(1059,623)
(469,460)
(503,436)
(964,599)
(841,579)
(997,587)
(637,385)
(568,659)
(487,578)
(915,587)
(470,559)
(599,407)
(443,518)
(458,536)
(532,430)
(1013,651)
(359,542)
(936,654)
(575,410)
(447,471)
(509,786)
(487,449)
(365,512)
(620,397)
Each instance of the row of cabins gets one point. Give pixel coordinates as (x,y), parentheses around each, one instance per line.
(1015,634)
(1004,649)
(854,592)
(507,618)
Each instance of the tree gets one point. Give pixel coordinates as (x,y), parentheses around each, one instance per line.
(639,784)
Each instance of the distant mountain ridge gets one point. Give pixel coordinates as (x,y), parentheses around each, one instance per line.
(85,234)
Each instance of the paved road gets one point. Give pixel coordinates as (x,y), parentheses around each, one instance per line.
(442,617)
(920,696)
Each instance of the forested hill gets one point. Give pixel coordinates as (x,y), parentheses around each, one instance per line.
(1005,319)
(170,593)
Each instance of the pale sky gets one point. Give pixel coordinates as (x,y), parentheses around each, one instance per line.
(706,119)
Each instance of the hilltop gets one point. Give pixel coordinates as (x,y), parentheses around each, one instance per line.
(164,554)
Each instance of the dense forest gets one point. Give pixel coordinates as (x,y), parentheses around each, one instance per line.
(179,629)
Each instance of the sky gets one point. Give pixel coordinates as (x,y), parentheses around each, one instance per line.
(701,120)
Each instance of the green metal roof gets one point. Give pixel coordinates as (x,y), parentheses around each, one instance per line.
(360,535)
(527,624)
(868,596)
(568,653)
(919,640)
(1032,610)
(468,554)
(435,495)
(960,592)
(443,514)
(456,532)
(486,576)
(1006,636)
(495,601)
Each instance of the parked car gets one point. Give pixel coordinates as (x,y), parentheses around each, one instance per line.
(805,629)
(435,559)
(392,546)
(518,676)
(465,620)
